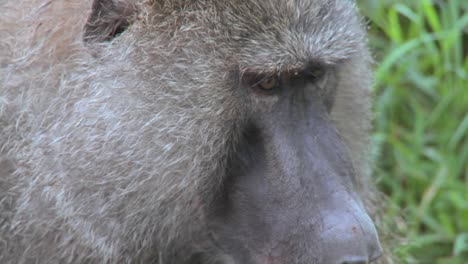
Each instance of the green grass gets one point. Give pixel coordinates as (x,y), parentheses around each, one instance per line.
(421,123)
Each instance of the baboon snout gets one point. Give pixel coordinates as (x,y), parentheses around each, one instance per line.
(350,239)
(345,239)
(291,195)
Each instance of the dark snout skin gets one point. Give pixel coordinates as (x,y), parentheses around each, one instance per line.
(290,198)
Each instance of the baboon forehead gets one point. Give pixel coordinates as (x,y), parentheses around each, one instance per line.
(263,35)
(290,33)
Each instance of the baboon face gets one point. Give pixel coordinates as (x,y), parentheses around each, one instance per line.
(289,195)
(289,188)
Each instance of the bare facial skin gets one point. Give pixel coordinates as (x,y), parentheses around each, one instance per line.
(185,132)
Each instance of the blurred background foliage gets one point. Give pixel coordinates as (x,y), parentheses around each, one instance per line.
(421,123)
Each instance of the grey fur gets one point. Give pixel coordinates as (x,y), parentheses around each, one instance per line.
(110,150)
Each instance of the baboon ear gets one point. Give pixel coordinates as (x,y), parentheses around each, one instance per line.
(108,19)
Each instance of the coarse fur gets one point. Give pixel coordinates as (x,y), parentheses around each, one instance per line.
(110,148)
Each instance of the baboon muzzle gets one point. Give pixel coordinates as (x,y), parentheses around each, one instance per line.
(299,203)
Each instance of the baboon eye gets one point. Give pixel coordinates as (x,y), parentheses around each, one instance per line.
(315,73)
(268,84)
(263,83)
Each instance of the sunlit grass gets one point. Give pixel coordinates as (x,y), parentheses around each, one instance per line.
(421,122)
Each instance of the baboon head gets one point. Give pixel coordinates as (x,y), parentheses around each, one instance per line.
(273,98)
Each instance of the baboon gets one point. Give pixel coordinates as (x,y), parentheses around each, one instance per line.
(185,131)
